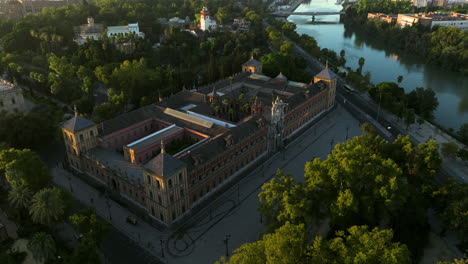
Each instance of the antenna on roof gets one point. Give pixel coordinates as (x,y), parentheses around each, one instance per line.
(76,110)
(326,65)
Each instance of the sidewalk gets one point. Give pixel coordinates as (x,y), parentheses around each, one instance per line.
(201,240)
(421,133)
(143,234)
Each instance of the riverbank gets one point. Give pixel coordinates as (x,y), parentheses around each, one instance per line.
(456,168)
(385,65)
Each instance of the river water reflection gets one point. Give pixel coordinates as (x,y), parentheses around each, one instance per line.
(451,87)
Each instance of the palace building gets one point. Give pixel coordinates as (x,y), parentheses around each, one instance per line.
(168,157)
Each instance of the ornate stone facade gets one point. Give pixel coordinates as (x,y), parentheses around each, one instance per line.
(172,155)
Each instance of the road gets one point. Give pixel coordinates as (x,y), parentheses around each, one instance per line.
(380,118)
(234,213)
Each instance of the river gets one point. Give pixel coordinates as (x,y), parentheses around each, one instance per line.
(451,87)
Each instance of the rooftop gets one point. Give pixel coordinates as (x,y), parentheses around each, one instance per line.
(132,173)
(5,86)
(326,74)
(252,62)
(164,164)
(77,123)
(155,137)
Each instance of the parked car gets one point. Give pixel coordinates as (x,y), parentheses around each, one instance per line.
(132,220)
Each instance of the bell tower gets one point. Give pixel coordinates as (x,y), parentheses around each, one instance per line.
(275,130)
(79,135)
(329,78)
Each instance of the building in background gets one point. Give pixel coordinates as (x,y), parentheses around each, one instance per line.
(382,17)
(11,98)
(10,9)
(432,19)
(441,3)
(130,29)
(420,3)
(177,154)
(90,30)
(206,22)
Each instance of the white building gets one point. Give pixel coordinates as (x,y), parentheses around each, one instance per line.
(420,3)
(125,30)
(11,98)
(206,23)
(88,31)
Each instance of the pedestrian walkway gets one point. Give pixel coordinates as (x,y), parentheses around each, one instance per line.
(204,238)
(143,234)
(421,133)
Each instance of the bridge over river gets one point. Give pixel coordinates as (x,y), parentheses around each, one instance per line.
(312,14)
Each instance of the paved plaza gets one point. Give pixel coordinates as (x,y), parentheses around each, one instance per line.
(233,214)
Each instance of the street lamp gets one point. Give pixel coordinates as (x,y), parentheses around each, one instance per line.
(108,208)
(69,183)
(226,241)
(162,248)
(378,111)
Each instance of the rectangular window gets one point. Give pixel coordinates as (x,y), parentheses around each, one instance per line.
(13,101)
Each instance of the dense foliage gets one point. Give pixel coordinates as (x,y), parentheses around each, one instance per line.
(39,51)
(445,46)
(290,244)
(420,101)
(365,181)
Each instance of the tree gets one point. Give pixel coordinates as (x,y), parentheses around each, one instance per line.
(47,206)
(423,101)
(463,133)
(285,245)
(86,223)
(42,246)
(449,149)
(280,201)
(84,253)
(359,245)
(288,244)
(24,167)
(223,16)
(410,117)
(20,196)
(399,79)
(455,261)
(27,130)
(361,64)
(357,183)
(287,47)
(390,96)
(451,203)
(463,154)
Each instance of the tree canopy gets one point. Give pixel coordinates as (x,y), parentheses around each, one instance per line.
(290,244)
(24,167)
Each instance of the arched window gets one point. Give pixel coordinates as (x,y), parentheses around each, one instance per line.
(169,182)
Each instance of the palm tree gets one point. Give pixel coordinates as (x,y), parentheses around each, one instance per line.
(47,206)
(20,196)
(361,64)
(42,246)
(399,79)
